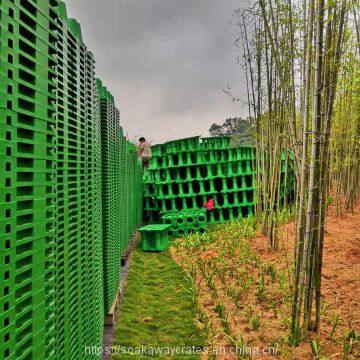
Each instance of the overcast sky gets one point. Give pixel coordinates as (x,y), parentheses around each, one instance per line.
(165,61)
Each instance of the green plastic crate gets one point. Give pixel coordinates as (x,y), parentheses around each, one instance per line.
(154,237)
(184,174)
(27,159)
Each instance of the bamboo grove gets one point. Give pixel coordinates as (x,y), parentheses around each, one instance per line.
(301,60)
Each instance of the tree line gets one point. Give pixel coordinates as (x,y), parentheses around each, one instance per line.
(301,60)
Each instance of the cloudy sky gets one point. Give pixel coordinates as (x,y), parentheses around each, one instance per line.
(165,61)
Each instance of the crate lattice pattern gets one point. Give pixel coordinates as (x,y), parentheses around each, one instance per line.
(185,174)
(52,176)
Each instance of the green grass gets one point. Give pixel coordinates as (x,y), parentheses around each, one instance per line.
(156,310)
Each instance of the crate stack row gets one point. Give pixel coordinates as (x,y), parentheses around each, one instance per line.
(51,187)
(111,191)
(79,304)
(121,192)
(27,162)
(185,174)
(132,206)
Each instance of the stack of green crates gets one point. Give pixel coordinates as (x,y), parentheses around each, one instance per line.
(51,187)
(121,192)
(27,160)
(185,174)
(111,135)
(79,302)
(133,182)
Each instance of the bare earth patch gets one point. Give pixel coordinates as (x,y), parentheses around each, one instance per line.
(257,307)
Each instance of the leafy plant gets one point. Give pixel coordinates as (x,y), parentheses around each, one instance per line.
(237,297)
(221,311)
(284,284)
(295,336)
(352,340)
(274,307)
(335,324)
(271,271)
(315,348)
(193,289)
(213,289)
(237,342)
(255,322)
(249,314)
(261,288)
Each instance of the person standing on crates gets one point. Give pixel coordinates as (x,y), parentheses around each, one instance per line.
(144,151)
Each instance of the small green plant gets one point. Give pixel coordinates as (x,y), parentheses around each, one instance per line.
(335,324)
(211,339)
(283,284)
(274,307)
(261,289)
(204,327)
(229,292)
(285,215)
(256,260)
(271,271)
(238,342)
(351,341)
(237,297)
(255,322)
(207,328)
(247,253)
(211,283)
(223,273)
(346,350)
(193,290)
(294,338)
(315,349)
(249,314)
(245,284)
(221,311)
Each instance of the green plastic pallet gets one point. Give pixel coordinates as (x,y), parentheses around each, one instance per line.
(27,160)
(121,193)
(79,287)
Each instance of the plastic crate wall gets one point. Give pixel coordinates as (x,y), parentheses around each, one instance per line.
(51,185)
(27,160)
(111,152)
(79,299)
(121,192)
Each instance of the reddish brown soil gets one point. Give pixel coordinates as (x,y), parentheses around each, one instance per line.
(340,290)
(340,280)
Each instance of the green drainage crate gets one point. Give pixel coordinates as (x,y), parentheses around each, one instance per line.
(154,237)
(79,245)
(185,222)
(121,193)
(185,174)
(27,161)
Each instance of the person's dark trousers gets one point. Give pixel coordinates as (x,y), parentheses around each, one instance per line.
(145,161)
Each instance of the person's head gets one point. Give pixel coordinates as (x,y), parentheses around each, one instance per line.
(142,140)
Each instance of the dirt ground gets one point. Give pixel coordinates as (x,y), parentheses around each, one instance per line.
(340,290)
(340,280)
